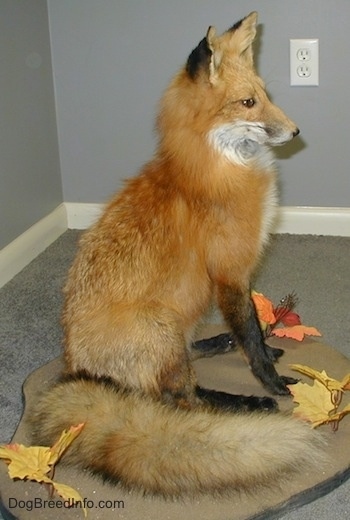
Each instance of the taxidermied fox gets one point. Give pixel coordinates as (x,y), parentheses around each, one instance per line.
(188,229)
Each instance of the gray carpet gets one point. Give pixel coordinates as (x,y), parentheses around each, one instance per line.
(316,268)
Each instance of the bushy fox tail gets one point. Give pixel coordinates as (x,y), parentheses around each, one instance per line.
(171,452)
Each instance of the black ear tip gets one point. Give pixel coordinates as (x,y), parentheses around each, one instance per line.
(236,26)
(199,58)
(253,15)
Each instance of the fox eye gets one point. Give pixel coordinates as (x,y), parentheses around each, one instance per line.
(248,103)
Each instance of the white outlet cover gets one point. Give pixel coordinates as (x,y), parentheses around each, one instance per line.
(304,56)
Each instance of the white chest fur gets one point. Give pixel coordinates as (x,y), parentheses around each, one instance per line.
(245,144)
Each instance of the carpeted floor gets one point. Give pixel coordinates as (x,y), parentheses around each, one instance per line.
(316,268)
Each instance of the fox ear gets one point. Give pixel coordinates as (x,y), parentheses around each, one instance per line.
(199,59)
(205,57)
(208,54)
(238,39)
(243,34)
(216,54)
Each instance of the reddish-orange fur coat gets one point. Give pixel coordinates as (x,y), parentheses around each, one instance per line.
(187,230)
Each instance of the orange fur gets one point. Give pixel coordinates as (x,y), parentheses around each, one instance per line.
(192,222)
(188,229)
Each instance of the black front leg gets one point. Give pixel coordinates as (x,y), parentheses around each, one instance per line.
(239,311)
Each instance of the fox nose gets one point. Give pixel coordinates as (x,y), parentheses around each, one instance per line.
(296,132)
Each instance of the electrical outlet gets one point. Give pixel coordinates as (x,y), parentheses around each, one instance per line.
(304,62)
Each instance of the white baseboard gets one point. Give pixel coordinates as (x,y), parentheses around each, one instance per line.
(82,215)
(15,256)
(299,220)
(292,219)
(21,251)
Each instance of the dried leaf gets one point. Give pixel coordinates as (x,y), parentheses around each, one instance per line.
(68,493)
(319,403)
(346,382)
(339,415)
(66,438)
(264,309)
(26,462)
(35,462)
(330,383)
(314,402)
(298,332)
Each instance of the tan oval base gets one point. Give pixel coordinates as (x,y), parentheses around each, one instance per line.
(229,372)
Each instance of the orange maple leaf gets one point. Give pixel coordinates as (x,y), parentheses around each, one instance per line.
(264,309)
(297,332)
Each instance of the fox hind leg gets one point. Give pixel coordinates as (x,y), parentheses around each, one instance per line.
(236,403)
(221,344)
(179,385)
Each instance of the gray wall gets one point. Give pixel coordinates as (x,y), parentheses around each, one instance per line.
(112,59)
(30,181)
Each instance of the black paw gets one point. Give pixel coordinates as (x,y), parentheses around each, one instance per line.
(290,380)
(279,385)
(274,353)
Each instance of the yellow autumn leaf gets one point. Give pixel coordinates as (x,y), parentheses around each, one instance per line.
(66,438)
(35,462)
(314,402)
(330,383)
(26,462)
(297,332)
(69,493)
(346,382)
(339,415)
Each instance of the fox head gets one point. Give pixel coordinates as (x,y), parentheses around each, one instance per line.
(219,92)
